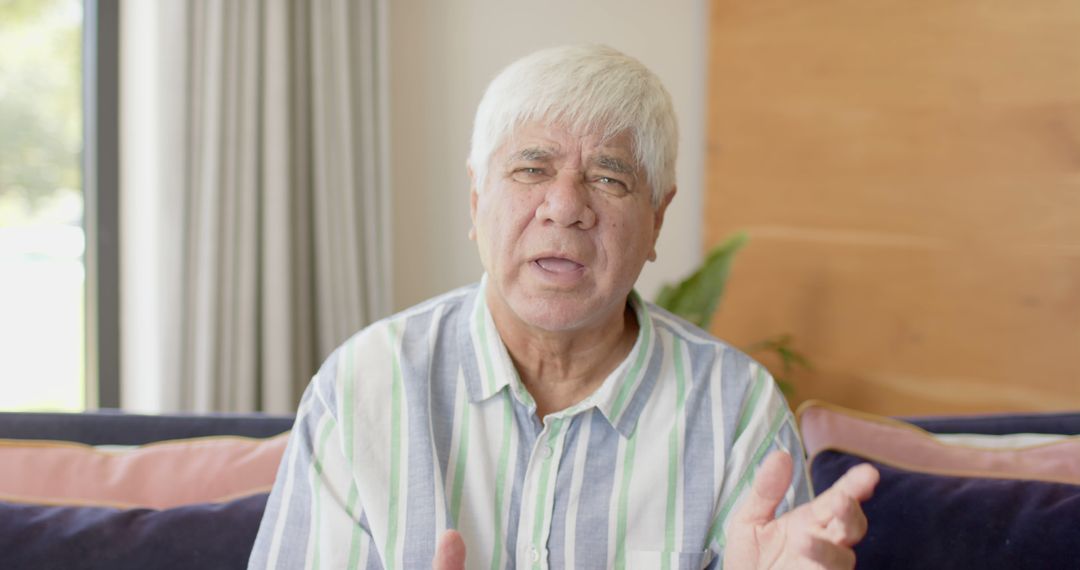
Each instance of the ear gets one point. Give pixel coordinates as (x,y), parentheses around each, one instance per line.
(658,219)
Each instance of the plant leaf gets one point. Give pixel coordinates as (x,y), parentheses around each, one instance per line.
(697,297)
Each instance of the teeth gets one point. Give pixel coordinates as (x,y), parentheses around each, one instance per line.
(557,264)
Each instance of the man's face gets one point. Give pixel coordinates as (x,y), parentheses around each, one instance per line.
(564,224)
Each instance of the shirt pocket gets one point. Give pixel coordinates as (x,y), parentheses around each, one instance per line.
(654,560)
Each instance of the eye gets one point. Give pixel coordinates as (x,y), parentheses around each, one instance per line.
(529,174)
(611,184)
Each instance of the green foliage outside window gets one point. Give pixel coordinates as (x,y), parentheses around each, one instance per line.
(41,206)
(40,109)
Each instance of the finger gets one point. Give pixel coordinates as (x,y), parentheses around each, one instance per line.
(825,554)
(449,552)
(844,521)
(859,482)
(855,485)
(770,484)
(838,511)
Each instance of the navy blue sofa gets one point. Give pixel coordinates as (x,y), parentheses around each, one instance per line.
(917,520)
(212,535)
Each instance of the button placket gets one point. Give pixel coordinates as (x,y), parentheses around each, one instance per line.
(543,460)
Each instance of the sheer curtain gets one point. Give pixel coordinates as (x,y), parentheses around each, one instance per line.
(254,196)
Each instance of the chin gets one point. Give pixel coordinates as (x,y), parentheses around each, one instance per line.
(554,323)
(557,315)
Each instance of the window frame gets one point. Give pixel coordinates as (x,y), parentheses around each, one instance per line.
(101,192)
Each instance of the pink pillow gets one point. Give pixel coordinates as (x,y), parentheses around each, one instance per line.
(159,475)
(903,445)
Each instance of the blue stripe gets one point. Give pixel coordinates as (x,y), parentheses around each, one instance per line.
(443,384)
(597,485)
(466,348)
(420,495)
(528,429)
(557,538)
(629,418)
(735,384)
(789,435)
(299,513)
(698,450)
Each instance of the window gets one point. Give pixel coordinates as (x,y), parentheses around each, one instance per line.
(41,206)
(51,174)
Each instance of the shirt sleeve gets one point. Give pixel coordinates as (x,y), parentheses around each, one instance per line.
(313,517)
(765,424)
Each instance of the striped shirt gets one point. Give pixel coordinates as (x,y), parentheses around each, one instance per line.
(420,423)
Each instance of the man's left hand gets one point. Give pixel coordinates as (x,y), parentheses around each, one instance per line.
(819,534)
(449,552)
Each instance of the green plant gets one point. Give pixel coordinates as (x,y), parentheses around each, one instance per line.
(696,298)
(781,346)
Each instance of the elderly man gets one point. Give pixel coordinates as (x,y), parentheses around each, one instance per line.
(548,417)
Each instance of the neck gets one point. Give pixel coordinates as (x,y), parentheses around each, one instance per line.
(562,368)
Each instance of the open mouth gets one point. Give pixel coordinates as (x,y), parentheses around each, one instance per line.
(558,265)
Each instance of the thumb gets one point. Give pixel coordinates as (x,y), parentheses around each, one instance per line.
(450,552)
(771,482)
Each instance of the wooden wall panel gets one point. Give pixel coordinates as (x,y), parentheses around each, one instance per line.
(909,175)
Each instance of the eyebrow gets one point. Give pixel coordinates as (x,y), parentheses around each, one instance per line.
(613,164)
(531,154)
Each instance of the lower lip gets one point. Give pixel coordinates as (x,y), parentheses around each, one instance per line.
(558,277)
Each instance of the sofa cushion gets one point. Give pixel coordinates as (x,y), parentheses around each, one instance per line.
(824,426)
(217,535)
(991,502)
(1061,423)
(158,475)
(925,520)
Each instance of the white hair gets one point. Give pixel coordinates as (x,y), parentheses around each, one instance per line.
(583,88)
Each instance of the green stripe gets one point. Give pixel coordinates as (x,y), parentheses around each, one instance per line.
(751,405)
(624,496)
(459,464)
(349,420)
(348,390)
(354,540)
(481,328)
(673,454)
(500,483)
(631,377)
(545,475)
(395,451)
(718,527)
(320,444)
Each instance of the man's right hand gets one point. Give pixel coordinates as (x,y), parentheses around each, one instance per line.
(449,552)
(818,534)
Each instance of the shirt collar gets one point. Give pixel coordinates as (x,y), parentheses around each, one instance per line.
(495,370)
(617,398)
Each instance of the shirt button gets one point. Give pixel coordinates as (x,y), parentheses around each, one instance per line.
(547,451)
(534,554)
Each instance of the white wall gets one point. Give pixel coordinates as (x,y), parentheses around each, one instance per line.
(442,55)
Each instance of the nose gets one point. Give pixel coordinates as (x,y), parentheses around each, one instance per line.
(566,204)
